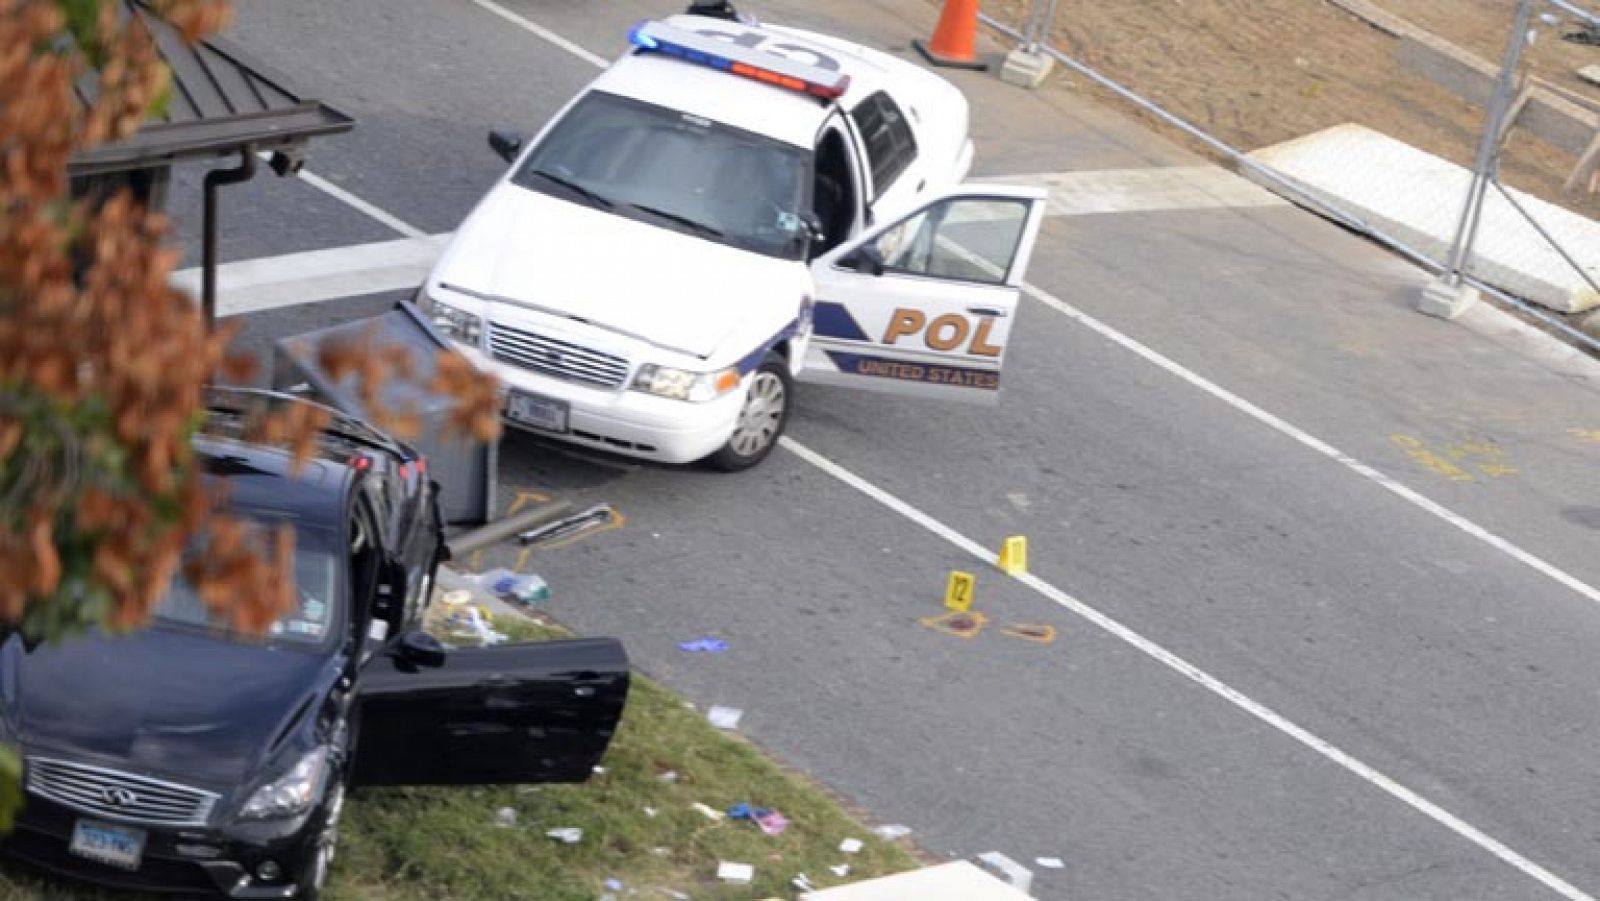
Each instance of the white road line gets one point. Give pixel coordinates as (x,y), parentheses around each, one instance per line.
(543,32)
(343,196)
(1316,444)
(1195,674)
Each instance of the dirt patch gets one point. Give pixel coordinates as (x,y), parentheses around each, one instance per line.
(1257,72)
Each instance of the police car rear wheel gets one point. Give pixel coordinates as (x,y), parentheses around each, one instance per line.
(765,413)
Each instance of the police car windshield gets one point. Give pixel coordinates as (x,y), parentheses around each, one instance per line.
(308,622)
(677,171)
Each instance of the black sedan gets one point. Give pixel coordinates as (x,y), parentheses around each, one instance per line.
(186,760)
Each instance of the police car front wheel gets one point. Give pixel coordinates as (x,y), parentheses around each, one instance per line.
(761,421)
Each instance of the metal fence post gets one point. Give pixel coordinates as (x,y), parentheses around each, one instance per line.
(1449,296)
(1027,65)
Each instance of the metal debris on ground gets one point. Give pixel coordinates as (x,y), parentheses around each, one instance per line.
(1050,863)
(567,834)
(725,717)
(735,873)
(850,846)
(705,645)
(505,817)
(592,518)
(892,831)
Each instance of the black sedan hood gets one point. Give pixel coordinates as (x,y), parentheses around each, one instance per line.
(187,705)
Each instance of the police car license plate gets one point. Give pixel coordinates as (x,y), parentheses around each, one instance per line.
(537,412)
(115,846)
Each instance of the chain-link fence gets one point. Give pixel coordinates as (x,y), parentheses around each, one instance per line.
(1391,116)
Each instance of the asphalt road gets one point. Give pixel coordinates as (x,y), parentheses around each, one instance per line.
(1384,699)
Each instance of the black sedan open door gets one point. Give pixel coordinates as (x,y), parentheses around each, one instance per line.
(539,712)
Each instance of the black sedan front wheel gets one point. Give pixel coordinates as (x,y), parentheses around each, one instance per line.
(320,861)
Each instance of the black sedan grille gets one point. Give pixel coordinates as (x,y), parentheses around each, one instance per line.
(118,796)
(556,358)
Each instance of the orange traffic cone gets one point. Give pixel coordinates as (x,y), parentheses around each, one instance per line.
(954,39)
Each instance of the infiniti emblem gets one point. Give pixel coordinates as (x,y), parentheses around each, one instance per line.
(117,796)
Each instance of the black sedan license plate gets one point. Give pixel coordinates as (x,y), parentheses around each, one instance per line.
(537,412)
(116,846)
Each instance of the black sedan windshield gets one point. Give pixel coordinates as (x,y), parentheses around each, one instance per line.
(316,576)
(675,170)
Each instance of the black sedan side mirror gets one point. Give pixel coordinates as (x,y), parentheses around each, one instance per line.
(506,143)
(421,649)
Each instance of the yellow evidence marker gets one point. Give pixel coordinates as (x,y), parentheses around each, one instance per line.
(958,591)
(1014,555)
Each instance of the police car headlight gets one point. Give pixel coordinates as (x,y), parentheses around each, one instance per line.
(679,384)
(455,323)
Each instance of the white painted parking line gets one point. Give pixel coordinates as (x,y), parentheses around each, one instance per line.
(544,33)
(383,216)
(1098,191)
(1195,674)
(340,194)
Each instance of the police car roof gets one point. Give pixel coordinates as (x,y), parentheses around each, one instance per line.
(777,113)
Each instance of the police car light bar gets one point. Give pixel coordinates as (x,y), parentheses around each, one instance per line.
(727,56)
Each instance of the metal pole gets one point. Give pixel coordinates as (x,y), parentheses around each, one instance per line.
(1030,29)
(215,179)
(1489,147)
(1049,24)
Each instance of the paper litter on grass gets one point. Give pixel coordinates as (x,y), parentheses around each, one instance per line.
(725,717)
(735,873)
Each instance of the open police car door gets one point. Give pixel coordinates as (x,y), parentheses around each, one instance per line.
(925,304)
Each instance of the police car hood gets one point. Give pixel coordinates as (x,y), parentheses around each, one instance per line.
(649,282)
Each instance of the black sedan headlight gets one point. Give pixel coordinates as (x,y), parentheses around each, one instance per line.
(292,794)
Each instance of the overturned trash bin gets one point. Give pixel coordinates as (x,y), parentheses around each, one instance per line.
(463,468)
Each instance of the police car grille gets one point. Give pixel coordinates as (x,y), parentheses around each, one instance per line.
(118,796)
(558,359)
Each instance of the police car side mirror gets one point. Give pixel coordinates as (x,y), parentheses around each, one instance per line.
(813,225)
(506,143)
(866,259)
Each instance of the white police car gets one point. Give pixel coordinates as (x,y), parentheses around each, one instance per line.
(728,208)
